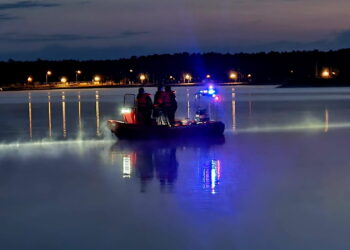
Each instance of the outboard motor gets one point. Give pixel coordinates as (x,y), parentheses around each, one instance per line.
(202,116)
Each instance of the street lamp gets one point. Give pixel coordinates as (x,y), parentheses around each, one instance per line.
(208,76)
(233,76)
(77,73)
(64,80)
(326,73)
(48,73)
(97,79)
(142,78)
(187,77)
(30,79)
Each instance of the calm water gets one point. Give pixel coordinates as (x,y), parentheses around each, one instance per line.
(278,179)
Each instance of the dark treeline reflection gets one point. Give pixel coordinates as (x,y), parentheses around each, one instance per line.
(157,160)
(272,67)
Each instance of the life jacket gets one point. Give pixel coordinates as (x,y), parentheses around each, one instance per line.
(158,99)
(142,100)
(167,98)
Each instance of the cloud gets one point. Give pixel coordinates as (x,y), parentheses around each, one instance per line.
(133,33)
(28,4)
(340,40)
(33,38)
(15,37)
(56,52)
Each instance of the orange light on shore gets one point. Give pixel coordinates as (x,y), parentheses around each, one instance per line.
(233,76)
(30,79)
(326,73)
(142,78)
(187,77)
(97,78)
(208,76)
(64,79)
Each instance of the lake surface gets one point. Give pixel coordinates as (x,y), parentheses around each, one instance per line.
(278,179)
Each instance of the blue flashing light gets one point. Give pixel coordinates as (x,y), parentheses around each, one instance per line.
(211,91)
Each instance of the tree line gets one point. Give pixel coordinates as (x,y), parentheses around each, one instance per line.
(271,67)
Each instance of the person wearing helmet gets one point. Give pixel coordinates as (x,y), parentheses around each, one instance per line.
(144,107)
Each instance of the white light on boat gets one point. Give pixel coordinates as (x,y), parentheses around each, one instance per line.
(126,111)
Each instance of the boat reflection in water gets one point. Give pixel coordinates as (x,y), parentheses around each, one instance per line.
(150,160)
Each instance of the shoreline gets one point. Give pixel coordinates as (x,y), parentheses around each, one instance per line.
(114,85)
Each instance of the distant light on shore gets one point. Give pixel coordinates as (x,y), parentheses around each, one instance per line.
(233,76)
(64,79)
(326,74)
(142,77)
(97,78)
(188,78)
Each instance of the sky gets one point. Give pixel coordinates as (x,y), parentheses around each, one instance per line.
(111,29)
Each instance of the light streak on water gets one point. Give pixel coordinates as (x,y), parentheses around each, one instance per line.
(234,125)
(126,166)
(50,116)
(213,180)
(188,103)
(79,112)
(30,115)
(64,122)
(98,132)
(326,120)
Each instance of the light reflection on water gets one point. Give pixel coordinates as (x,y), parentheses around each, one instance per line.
(148,161)
(64,122)
(248,115)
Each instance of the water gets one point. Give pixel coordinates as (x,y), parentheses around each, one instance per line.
(277,180)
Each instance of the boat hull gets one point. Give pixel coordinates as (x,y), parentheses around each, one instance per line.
(135,131)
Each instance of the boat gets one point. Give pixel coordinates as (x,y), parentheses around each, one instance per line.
(201,126)
(125,130)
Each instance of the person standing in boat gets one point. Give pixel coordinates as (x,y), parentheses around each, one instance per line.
(144,107)
(169,104)
(158,102)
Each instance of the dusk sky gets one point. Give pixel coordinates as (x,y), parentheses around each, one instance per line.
(97,29)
